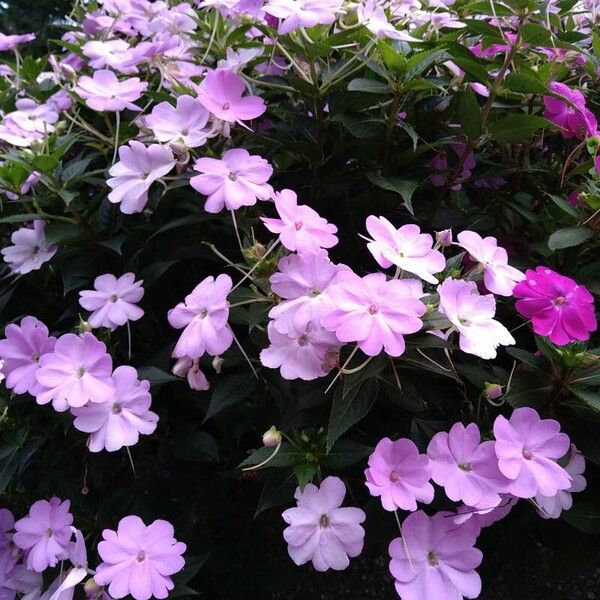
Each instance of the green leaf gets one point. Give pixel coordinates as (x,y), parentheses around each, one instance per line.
(359,126)
(230,391)
(286,457)
(596,43)
(524,83)
(515,129)
(404,187)
(564,205)
(279,489)
(45,163)
(59,231)
(346,453)
(304,473)
(527,357)
(20,218)
(371,86)
(590,399)
(569,237)
(469,114)
(155,375)
(536,35)
(585,516)
(392,59)
(421,61)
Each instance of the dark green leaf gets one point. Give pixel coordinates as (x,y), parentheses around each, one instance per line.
(515,129)
(230,391)
(569,237)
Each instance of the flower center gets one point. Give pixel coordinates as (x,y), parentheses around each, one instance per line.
(324,521)
(303,340)
(232,176)
(184,131)
(464,467)
(465,322)
(226,106)
(432,559)
(114,298)
(141,556)
(298,225)
(48,533)
(203,313)
(527,454)
(116,409)
(35,357)
(373,309)
(80,372)
(559,301)
(394,477)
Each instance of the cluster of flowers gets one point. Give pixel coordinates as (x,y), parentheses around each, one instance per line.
(137,560)
(435,557)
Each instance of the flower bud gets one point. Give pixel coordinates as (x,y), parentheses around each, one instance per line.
(332,359)
(84,326)
(272,437)
(92,589)
(37,145)
(217,364)
(444,238)
(196,378)
(492,391)
(182,366)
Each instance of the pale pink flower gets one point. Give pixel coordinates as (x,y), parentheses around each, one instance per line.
(138,168)
(371,15)
(108,53)
(190,369)
(113,301)
(238,179)
(302,13)
(104,92)
(10,42)
(374,312)
(399,475)
(29,250)
(300,228)
(472,316)
(498,276)
(322,532)
(406,248)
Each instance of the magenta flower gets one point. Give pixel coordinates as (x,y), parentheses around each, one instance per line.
(527,448)
(138,168)
(221,94)
(302,281)
(104,92)
(139,559)
(550,507)
(465,467)
(113,301)
(373,312)
(45,533)
(570,114)
(203,317)
(320,531)
(238,179)
(436,560)
(498,276)
(406,248)
(558,307)
(76,372)
(302,13)
(21,351)
(299,354)
(185,123)
(300,228)
(10,42)
(399,475)
(472,316)
(29,250)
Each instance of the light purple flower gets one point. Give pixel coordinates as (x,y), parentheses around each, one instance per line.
(10,42)
(45,533)
(371,15)
(119,421)
(498,276)
(139,559)
(203,317)
(138,168)
(550,507)
(20,352)
(221,94)
(190,369)
(113,301)
(322,532)
(302,13)
(558,307)
(472,316)
(300,228)
(299,354)
(104,92)
(109,53)
(527,448)
(406,248)
(399,475)
(373,312)
(302,281)
(484,517)
(465,467)
(436,559)
(29,250)
(76,372)
(238,179)
(186,123)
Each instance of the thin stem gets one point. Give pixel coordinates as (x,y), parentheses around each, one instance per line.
(340,371)
(130,460)
(404,541)
(266,461)
(129,340)
(244,302)
(433,362)
(269,250)
(117,131)
(237,342)
(357,369)
(224,258)
(212,37)
(237,232)
(17,68)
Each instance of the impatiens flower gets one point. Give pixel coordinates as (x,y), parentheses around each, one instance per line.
(406,248)
(498,276)
(373,312)
(558,307)
(465,467)
(484,517)
(299,354)
(119,421)
(138,168)
(10,42)
(570,114)
(302,13)
(372,16)
(527,448)
(302,281)
(322,532)
(76,372)
(20,354)
(300,228)
(45,533)
(238,179)
(108,53)
(29,250)
(104,92)
(186,123)
(550,507)
(203,317)
(221,94)
(190,369)
(472,316)
(399,475)
(440,164)
(435,560)
(113,301)
(139,559)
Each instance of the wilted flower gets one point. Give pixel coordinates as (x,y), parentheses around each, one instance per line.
(29,250)
(104,92)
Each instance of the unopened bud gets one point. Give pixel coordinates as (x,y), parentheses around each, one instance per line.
(37,145)
(182,366)
(67,71)
(272,437)
(217,364)
(196,378)
(92,589)
(444,238)
(84,326)
(492,391)
(254,253)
